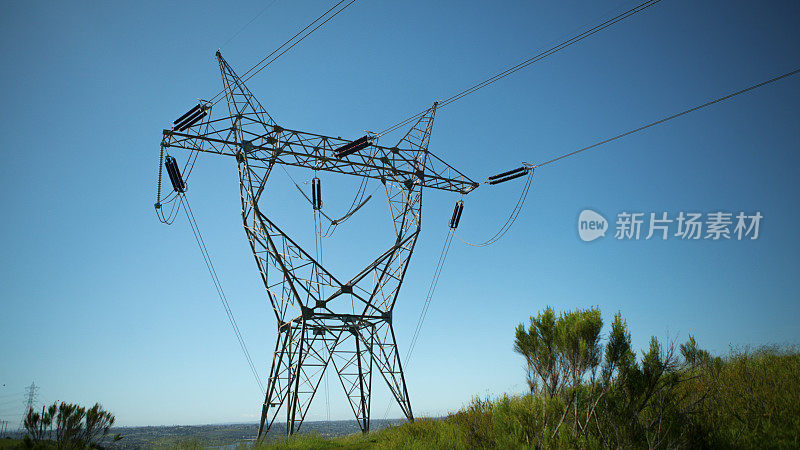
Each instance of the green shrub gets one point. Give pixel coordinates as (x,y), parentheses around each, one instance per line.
(589,393)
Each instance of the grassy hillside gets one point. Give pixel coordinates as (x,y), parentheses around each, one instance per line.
(588,389)
(749,399)
(7,443)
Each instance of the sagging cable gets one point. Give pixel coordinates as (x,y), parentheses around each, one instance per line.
(347,216)
(508,176)
(512,217)
(218,286)
(431,289)
(322,213)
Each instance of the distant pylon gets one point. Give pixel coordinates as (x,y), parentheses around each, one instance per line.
(30,401)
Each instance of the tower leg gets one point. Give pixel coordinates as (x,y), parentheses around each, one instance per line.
(387,359)
(353,363)
(364,417)
(278,382)
(302,354)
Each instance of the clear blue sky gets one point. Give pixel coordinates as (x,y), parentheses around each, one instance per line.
(100,302)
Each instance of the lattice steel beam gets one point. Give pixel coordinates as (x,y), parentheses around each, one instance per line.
(316,329)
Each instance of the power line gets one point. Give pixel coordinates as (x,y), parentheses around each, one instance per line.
(529,61)
(427,303)
(674,116)
(266,60)
(299,40)
(511,218)
(251,21)
(215,279)
(518,207)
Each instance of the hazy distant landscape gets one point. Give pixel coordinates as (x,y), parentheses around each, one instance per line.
(222,435)
(229,434)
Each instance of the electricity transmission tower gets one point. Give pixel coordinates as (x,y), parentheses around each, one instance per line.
(31,392)
(324,321)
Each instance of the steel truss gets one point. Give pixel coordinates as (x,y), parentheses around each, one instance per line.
(324,320)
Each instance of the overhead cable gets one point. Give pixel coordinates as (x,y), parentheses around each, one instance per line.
(529,61)
(428,297)
(251,21)
(518,207)
(266,61)
(358,202)
(674,116)
(218,285)
(512,216)
(431,289)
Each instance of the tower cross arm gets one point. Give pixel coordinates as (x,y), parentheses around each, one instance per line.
(231,136)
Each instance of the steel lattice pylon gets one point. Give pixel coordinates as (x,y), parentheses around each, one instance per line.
(323,320)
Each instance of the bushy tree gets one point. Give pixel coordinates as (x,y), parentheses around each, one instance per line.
(75,426)
(560,352)
(537,344)
(604,392)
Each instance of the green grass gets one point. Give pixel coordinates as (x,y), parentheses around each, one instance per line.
(751,399)
(421,434)
(754,399)
(10,443)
